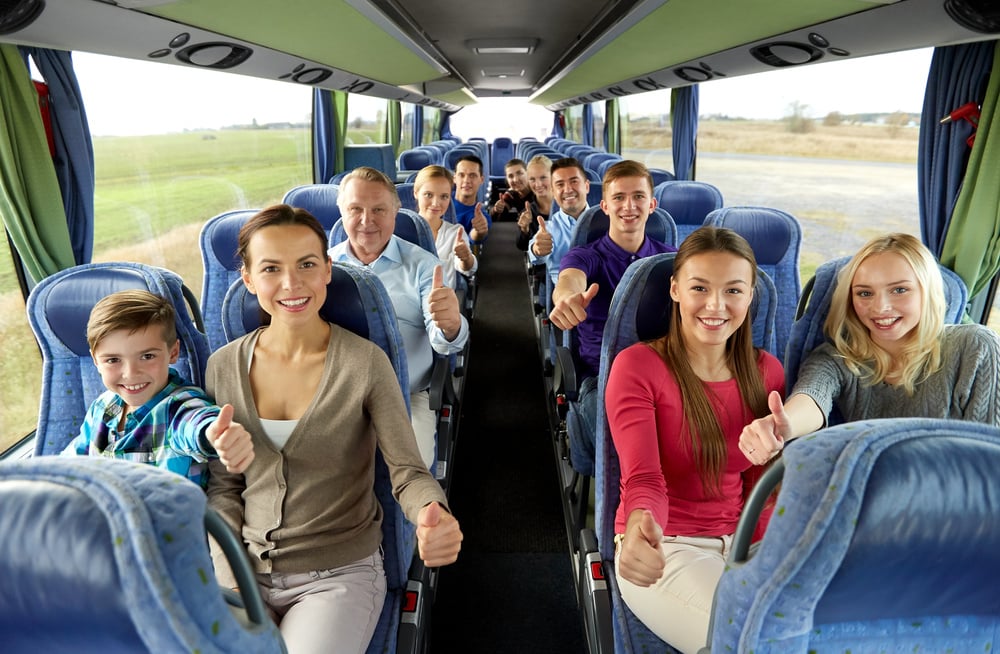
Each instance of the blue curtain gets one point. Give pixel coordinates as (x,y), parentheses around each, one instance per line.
(557,125)
(418,125)
(958,74)
(324,135)
(587,138)
(74,149)
(684,123)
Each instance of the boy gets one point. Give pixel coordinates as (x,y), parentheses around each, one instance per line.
(149,413)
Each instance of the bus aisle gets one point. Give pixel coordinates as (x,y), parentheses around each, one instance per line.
(512,588)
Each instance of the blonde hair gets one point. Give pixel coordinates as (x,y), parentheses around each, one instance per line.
(427,173)
(707,440)
(921,354)
(131,310)
(541,160)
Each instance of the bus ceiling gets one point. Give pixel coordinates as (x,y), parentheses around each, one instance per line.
(449,53)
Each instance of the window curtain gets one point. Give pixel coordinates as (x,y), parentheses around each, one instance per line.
(684,124)
(74,149)
(394,125)
(329,132)
(445,128)
(587,138)
(558,129)
(958,74)
(972,241)
(30,200)
(612,127)
(418,125)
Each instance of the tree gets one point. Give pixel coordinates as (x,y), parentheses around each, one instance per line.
(897,121)
(797,121)
(833,119)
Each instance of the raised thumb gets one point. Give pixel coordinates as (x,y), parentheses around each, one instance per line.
(650,530)
(590,294)
(541,224)
(225,418)
(438,280)
(431,515)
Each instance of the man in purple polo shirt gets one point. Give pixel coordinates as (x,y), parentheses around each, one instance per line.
(588,276)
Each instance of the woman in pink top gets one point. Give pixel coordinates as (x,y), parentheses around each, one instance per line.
(676,407)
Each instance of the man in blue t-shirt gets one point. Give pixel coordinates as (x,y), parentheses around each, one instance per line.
(588,276)
(468,209)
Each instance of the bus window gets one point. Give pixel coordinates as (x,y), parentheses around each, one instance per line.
(366,119)
(645,128)
(164,164)
(842,164)
(21,364)
(432,120)
(510,117)
(574,123)
(406,138)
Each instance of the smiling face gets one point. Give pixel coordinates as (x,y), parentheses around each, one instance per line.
(570,187)
(433,198)
(517,179)
(713,291)
(539,180)
(628,202)
(135,364)
(886,297)
(468,179)
(288,270)
(368,210)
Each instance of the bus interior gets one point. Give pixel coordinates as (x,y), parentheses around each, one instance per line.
(110,179)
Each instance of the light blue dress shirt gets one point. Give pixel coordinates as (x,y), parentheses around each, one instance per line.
(407,272)
(560,226)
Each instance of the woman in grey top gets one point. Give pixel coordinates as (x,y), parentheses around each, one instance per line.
(891,354)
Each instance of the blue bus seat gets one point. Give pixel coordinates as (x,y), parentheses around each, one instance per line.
(776,239)
(409,227)
(112,556)
(807,333)
(318,199)
(221,267)
(595,160)
(884,539)
(660,175)
(501,151)
(688,202)
(357,301)
(593,223)
(58,309)
(379,156)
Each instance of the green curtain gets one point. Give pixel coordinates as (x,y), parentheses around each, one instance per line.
(972,244)
(340,125)
(395,125)
(612,127)
(30,200)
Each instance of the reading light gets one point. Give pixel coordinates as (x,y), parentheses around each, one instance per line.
(502,46)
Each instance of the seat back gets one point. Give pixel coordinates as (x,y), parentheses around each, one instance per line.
(807,333)
(501,151)
(640,311)
(660,175)
(357,301)
(688,202)
(884,539)
(58,310)
(375,155)
(776,238)
(409,227)
(600,161)
(111,555)
(416,158)
(221,267)
(593,224)
(318,199)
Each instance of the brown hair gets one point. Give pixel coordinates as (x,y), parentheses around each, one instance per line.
(626,168)
(132,310)
(706,437)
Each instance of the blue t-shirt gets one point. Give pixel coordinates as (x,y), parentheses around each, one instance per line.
(464,214)
(604,263)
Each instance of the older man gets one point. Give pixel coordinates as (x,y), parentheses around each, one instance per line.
(426,309)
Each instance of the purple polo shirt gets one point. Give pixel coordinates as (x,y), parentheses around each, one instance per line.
(604,263)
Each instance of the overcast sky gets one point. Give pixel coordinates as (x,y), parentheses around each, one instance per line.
(125,97)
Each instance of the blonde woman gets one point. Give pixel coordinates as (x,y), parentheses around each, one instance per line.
(891,353)
(432,189)
(540,182)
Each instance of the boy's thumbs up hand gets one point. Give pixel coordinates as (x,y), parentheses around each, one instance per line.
(231,441)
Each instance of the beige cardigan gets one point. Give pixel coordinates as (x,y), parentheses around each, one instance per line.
(311,505)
